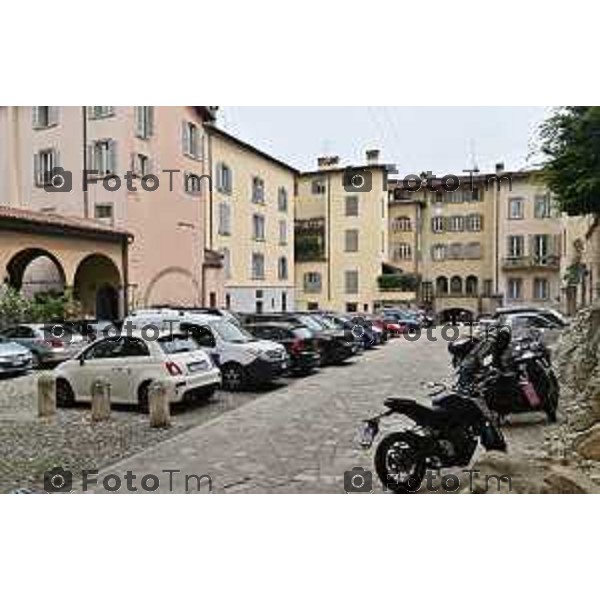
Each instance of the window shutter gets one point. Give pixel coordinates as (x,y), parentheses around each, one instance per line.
(112,156)
(91,157)
(219,177)
(185,139)
(53,115)
(150,122)
(37,169)
(35,116)
(139,127)
(56,162)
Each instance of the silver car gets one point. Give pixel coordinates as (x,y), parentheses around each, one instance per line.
(14,358)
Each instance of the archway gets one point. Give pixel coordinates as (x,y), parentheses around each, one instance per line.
(456,286)
(441,286)
(472,286)
(172,287)
(97,284)
(35,270)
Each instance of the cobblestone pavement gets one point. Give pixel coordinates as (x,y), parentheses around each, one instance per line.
(302,439)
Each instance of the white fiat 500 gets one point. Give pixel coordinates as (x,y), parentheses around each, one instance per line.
(131,364)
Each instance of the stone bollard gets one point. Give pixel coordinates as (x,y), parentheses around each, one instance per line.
(159,399)
(100,400)
(46,395)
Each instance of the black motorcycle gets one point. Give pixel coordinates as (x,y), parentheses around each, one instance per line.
(443,436)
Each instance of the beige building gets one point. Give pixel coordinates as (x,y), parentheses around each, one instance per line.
(163,204)
(341,236)
(251,223)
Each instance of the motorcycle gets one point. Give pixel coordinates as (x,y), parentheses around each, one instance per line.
(524,379)
(443,436)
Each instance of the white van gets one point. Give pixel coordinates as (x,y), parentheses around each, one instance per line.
(241,358)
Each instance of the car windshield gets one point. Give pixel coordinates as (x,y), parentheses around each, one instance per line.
(178,344)
(230,332)
(311,323)
(303,333)
(326,322)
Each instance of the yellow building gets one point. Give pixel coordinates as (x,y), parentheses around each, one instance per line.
(341,236)
(251,223)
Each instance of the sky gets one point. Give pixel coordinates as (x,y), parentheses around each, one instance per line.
(444,140)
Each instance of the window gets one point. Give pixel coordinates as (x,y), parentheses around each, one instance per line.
(258,228)
(192,184)
(516,208)
(318,187)
(45,163)
(541,289)
(283,229)
(351,240)
(224,179)
(258,265)
(456,286)
(351,307)
(191,140)
(438,252)
(104,212)
(472,286)
(454,197)
(403,252)
(282,268)
(456,224)
(543,207)
(351,281)
(516,246)
(474,223)
(471,195)
(437,224)
(455,251)
(224,219)
(541,247)
(100,112)
(473,251)
(352,206)
(103,157)
(225,252)
(144,121)
(515,288)
(441,286)
(402,224)
(258,190)
(282,200)
(312,283)
(140,165)
(44,116)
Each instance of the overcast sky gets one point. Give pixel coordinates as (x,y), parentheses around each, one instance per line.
(440,139)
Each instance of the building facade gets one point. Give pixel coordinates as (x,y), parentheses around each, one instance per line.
(341,236)
(163,204)
(251,224)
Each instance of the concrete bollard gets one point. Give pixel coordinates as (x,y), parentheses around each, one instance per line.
(159,399)
(46,396)
(100,400)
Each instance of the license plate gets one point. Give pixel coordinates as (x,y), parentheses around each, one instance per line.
(18,363)
(368,433)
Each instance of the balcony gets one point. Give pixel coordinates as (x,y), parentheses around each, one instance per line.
(550,263)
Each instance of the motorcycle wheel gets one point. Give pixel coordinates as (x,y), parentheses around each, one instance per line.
(399,464)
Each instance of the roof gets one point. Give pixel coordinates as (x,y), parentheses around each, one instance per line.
(213,129)
(19,218)
(343,168)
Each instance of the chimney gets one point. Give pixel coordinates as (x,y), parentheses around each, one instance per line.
(373,157)
(328,162)
(499,168)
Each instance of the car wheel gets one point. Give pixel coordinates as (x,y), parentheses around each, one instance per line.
(143,398)
(65,398)
(35,361)
(233,377)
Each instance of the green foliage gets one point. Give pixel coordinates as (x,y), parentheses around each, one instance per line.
(14,307)
(570,144)
(403,282)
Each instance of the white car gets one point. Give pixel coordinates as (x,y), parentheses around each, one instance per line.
(131,364)
(242,358)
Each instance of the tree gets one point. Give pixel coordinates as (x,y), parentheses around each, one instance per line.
(570,145)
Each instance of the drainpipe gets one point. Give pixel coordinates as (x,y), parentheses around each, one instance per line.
(125,267)
(328,237)
(86,202)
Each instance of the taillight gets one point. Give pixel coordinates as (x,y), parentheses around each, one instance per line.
(173,369)
(297,346)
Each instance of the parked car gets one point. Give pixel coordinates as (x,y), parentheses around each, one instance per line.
(374,325)
(355,328)
(243,359)
(49,344)
(549,313)
(522,323)
(402,318)
(335,347)
(300,343)
(14,358)
(93,330)
(393,327)
(131,364)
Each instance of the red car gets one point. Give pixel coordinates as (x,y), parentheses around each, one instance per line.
(394,328)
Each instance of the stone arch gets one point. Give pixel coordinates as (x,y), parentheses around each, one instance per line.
(456,286)
(97,285)
(441,286)
(173,286)
(49,266)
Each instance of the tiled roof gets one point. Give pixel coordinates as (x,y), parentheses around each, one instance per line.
(74,224)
